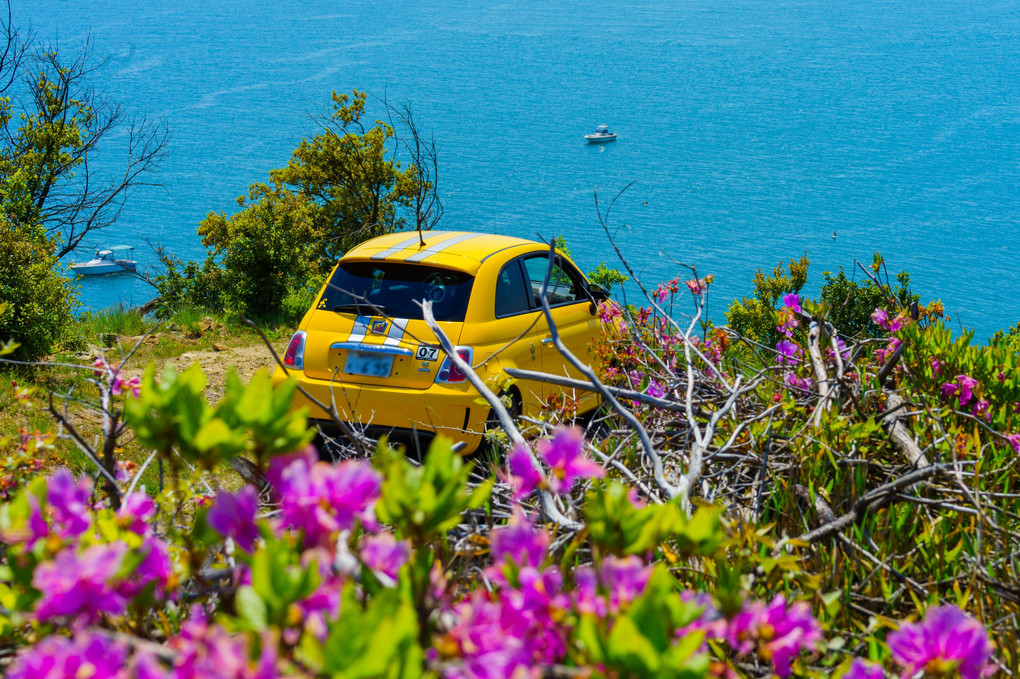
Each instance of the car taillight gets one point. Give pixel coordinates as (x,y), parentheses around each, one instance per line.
(449,373)
(294,357)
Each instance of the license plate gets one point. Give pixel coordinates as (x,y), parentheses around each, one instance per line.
(368,363)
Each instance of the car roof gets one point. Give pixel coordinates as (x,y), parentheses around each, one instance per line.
(461,250)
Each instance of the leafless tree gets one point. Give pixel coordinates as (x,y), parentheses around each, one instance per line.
(428,208)
(62,134)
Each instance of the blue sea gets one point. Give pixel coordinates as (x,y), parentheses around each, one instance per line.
(753,130)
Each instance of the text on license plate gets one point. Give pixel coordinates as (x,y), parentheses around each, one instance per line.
(368,363)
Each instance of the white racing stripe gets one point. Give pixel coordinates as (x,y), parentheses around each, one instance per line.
(404,244)
(396,332)
(360,329)
(439,247)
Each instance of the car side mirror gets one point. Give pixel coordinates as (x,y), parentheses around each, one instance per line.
(597,292)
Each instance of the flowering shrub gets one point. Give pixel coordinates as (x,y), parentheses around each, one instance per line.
(763,513)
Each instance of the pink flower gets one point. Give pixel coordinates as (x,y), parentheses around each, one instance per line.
(68,503)
(661,294)
(800,384)
(624,579)
(564,453)
(136,511)
(519,542)
(860,669)
(525,475)
(781,632)
(384,555)
(655,389)
(792,302)
(79,585)
(204,651)
(880,317)
(86,655)
(1014,440)
(936,365)
(134,385)
(787,352)
(947,639)
(319,498)
(234,516)
(962,387)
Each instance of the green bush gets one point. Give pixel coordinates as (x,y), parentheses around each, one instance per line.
(39,300)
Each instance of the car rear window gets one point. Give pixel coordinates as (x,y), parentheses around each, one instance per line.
(394,287)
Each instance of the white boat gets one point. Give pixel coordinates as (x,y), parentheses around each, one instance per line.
(113,260)
(600,135)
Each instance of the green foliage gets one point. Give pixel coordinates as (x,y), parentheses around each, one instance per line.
(39,302)
(850,304)
(755,317)
(263,249)
(172,414)
(617,526)
(423,501)
(184,286)
(353,188)
(369,641)
(607,277)
(1010,340)
(641,641)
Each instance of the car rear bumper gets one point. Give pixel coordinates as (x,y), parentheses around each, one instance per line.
(449,409)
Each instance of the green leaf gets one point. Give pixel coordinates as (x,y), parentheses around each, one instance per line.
(251,608)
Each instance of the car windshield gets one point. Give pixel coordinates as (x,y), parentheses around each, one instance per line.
(392,288)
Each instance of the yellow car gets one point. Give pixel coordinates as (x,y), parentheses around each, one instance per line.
(364,347)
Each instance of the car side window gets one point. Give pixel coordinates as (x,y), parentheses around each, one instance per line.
(564,283)
(511,291)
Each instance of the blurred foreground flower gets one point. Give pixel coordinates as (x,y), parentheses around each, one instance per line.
(948,639)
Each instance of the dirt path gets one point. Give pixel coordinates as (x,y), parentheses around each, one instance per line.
(216,364)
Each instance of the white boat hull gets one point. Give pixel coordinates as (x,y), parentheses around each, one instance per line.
(599,138)
(90,269)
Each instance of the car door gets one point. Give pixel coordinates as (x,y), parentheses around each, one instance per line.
(576,324)
(515,335)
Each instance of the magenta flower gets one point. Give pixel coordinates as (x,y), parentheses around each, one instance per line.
(962,388)
(384,555)
(520,542)
(793,629)
(655,389)
(321,499)
(564,453)
(948,639)
(205,651)
(86,655)
(624,579)
(801,384)
(136,511)
(79,585)
(860,669)
(787,352)
(234,516)
(154,568)
(67,503)
(1014,440)
(525,475)
(660,294)
(780,632)
(792,302)
(880,317)
(936,365)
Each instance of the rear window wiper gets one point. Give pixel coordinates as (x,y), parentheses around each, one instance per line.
(359,307)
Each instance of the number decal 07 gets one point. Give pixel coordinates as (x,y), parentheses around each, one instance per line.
(425,353)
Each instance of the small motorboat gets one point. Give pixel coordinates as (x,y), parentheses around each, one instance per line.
(600,135)
(113,260)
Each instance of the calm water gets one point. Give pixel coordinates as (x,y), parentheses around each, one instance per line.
(753,129)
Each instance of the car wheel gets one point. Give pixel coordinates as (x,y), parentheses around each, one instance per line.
(491,449)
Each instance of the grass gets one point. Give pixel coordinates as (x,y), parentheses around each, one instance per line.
(113,331)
